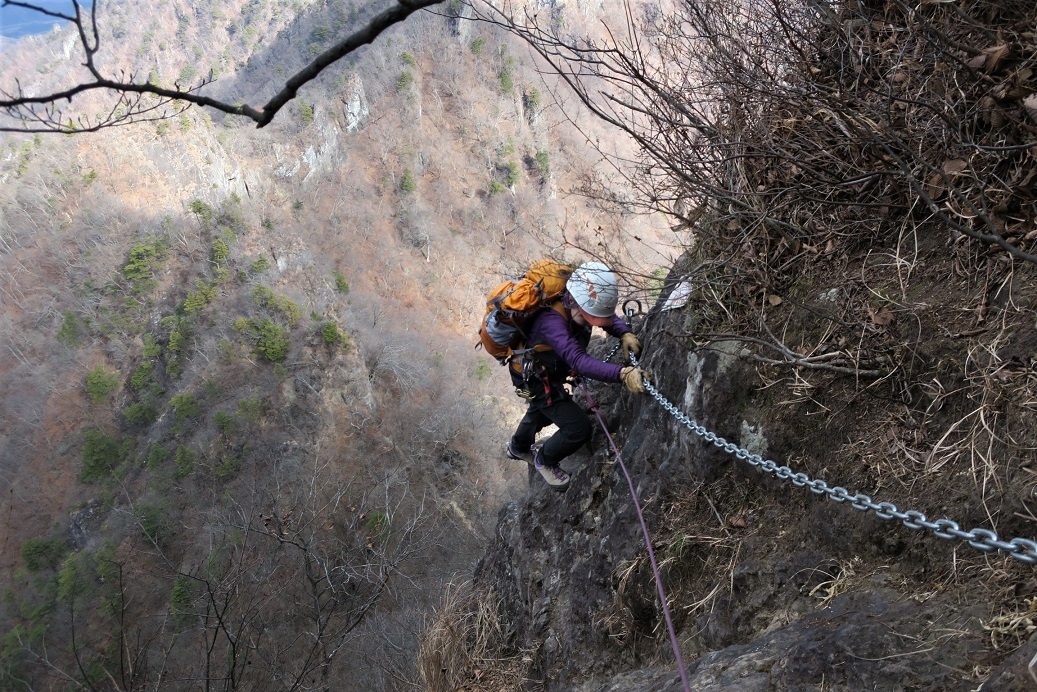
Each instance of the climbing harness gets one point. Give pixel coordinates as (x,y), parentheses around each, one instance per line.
(985,540)
(648,539)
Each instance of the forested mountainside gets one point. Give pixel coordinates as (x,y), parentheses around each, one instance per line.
(248,443)
(244,435)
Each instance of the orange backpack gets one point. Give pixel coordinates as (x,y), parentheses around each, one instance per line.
(512,303)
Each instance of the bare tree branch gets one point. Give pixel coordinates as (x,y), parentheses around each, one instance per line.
(43,113)
(41,10)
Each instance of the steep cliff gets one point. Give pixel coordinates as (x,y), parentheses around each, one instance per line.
(569,568)
(771,587)
(176,434)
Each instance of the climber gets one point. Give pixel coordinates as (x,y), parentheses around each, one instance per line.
(555,348)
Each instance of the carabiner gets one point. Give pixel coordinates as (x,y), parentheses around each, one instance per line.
(629,311)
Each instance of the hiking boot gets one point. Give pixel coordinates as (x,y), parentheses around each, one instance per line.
(513,453)
(554,475)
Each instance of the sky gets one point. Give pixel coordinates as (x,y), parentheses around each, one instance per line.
(18,21)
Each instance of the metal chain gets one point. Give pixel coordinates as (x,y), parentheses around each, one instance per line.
(1021,549)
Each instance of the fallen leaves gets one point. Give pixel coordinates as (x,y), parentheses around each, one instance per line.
(1030,106)
(881,317)
(939,181)
(991,58)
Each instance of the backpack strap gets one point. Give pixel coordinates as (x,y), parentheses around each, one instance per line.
(523,353)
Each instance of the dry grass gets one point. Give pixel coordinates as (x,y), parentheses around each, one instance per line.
(619,621)
(464,649)
(697,567)
(1011,629)
(842,581)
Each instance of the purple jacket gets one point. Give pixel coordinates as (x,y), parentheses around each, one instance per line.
(569,340)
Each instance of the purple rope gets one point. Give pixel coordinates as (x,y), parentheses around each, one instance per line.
(648,541)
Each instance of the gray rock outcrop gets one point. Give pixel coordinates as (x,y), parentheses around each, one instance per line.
(461,21)
(354,102)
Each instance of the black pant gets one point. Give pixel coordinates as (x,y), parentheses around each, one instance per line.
(574,429)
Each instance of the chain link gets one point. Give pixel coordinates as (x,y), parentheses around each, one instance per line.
(1021,549)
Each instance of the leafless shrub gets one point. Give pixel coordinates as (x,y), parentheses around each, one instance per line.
(784,133)
(400,364)
(271,587)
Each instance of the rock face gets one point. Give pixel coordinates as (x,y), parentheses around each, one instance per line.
(83,525)
(322,154)
(786,611)
(461,21)
(354,103)
(325,154)
(846,644)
